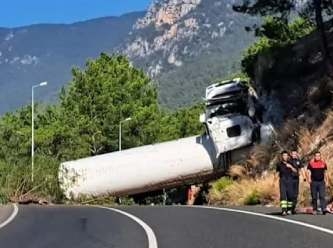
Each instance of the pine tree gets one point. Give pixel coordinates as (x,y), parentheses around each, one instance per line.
(283,9)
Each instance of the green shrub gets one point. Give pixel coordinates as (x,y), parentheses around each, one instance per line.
(3,198)
(274,33)
(15,180)
(253,198)
(222,183)
(261,46)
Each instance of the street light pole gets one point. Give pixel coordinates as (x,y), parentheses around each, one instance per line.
(119,137)
(33,127)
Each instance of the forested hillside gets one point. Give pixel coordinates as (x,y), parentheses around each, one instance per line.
(84,123)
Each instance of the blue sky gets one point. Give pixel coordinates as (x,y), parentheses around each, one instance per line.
(14,13)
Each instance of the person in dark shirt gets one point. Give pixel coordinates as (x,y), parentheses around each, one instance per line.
(318,180)
(296,162)
(285,170)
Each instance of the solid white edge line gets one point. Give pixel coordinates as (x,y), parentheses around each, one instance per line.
(152,241)
(11,217)
(295,222)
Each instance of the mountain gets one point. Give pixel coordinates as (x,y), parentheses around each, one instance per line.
(186,44)
(183,45)
(29,55)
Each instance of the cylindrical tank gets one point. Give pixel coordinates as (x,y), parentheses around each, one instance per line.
(139,169)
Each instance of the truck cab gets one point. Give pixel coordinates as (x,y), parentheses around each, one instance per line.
(231,117)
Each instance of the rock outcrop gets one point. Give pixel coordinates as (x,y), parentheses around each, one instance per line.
(294,76)
(174,29)
(188,35)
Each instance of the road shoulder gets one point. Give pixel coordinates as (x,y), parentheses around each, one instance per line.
(318,220)
(6,212)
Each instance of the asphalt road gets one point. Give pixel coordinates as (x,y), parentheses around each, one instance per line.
(209,228)
(53,227)
(71,227)
(5,212)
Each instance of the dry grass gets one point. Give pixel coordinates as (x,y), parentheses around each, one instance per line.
(248,191)
(238,172)
(305,141)
(304,197)
(317,139)
(263,190)
(287,135)
(260,160)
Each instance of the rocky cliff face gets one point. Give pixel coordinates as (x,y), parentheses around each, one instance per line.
(167,12)
(178,40)
(294,76)
(165,19)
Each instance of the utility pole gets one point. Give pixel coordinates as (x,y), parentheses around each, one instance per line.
(33,127)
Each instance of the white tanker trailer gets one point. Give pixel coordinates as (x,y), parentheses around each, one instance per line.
(231,127)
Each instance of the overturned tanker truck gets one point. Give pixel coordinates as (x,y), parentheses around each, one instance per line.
(233,122)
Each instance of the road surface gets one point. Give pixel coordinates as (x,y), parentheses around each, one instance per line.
(172,227)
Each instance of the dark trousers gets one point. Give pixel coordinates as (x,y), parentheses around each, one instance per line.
(286,194)
(318,188)
(295,185)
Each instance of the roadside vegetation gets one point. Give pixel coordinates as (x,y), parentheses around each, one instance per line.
(85,123)
(273,34)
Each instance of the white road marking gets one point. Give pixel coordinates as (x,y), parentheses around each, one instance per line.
(295,222)
(11,217)
(152,241)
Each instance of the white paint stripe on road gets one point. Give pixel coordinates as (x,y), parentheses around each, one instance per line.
(11,217)
(152,241)
(295,222)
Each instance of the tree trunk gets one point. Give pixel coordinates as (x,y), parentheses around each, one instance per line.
(321,28)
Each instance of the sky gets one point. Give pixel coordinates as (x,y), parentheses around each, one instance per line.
(15,13)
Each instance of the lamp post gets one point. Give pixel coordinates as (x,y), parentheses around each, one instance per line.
(33,126)
(128,119)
